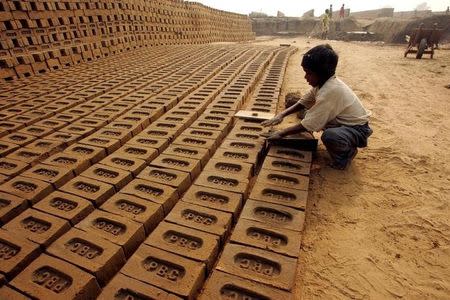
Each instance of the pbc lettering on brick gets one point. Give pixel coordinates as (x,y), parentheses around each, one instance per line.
(164,269)
(52,279)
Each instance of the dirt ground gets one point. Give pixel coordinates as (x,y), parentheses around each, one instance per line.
(381,230)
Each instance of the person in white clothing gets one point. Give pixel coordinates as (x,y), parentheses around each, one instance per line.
(330,106)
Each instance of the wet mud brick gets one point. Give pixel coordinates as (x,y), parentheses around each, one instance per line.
(124,287)
(176,179)
(215,199)
(226,182)
(97,256)
(133,165)
(170,272)
(283,179)
(137,151)
(51,278)
(30,189)
(36,131)
(243,155)
(136,209)
(54,175)
(195,141)
(68,161)
(66,138)
(286,165)
(259,265)
(279,195)
(95,191)
(250,146)
(279,216)
(201,218)
(109,144)
(16,252)
(197,153)
(107,174)
(189,165)
(10,207)
(48,146)
(19,139)
(6,148)
(8,293)
(86,152)
(215,135)
(184,241)
(37,226)
(142,140)
(119,230)
(230,168)
(152,191)
(245,136)
(289,153)
(67,206)
(29,156)
(11,167)
(226,286)
(267,237)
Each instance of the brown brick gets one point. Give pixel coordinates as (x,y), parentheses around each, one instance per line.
(176,179)
(27,188)
(276,215)
(51,123)
(290,153)
(152,191)
(226,286)
(245,136)
(15,253)
(215,135)
(259,265)
(133,165)
(68,161)
(28,156)
(54,175)
(20,139)
(47,146)
(52,278)
(97,256)
(286,165)
(87,152)
(119,230)
(11,167)
(174,128)
(230,168)
(95,191)
(69,207)
(88,122)
(36,131)
(195,141)
(136,209)
(117,177)
(284,179)
(66,138)
(10,207)
(82,131)
(9,293)
(3,281)
(170,272)
(197,153)
(243,155)
(212,125)
(122,135)
(38,227)
(214,198)
(222,181)
(158,133)
(137,151)
(124,287)
(201,218)
(143,140)
(189,165)
(265,236)
(108,143)
(250,146)
(6,148)
(184,241)
(279,195)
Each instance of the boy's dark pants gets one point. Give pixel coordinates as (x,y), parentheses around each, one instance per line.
(342,142)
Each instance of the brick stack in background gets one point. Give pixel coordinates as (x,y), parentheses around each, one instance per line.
(43,35)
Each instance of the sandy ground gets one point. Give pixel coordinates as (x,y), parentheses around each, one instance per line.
(381,229)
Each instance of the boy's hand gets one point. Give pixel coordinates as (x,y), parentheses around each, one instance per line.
(272,122)
(275,136)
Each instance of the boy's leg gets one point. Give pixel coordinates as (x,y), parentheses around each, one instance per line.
(342,142)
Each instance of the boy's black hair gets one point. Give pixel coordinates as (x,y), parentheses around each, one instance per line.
(322,60)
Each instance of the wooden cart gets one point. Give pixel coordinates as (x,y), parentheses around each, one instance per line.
(425,40)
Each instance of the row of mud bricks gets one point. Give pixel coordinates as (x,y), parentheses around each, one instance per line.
(38,36)
(129,178)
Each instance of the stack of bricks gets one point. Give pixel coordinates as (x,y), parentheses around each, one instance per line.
(38,36)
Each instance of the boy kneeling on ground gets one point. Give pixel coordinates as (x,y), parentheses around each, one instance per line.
(330,106)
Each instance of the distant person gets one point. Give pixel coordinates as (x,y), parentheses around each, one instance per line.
(342,12)
(330,106)
(325,24)
(448,10)
(331,11)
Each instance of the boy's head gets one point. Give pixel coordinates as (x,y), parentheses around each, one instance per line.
(319,64)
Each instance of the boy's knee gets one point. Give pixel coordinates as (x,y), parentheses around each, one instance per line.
(332,138)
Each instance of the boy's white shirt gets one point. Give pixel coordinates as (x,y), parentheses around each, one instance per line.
(332,105)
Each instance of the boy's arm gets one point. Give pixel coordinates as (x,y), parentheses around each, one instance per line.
(279,118)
